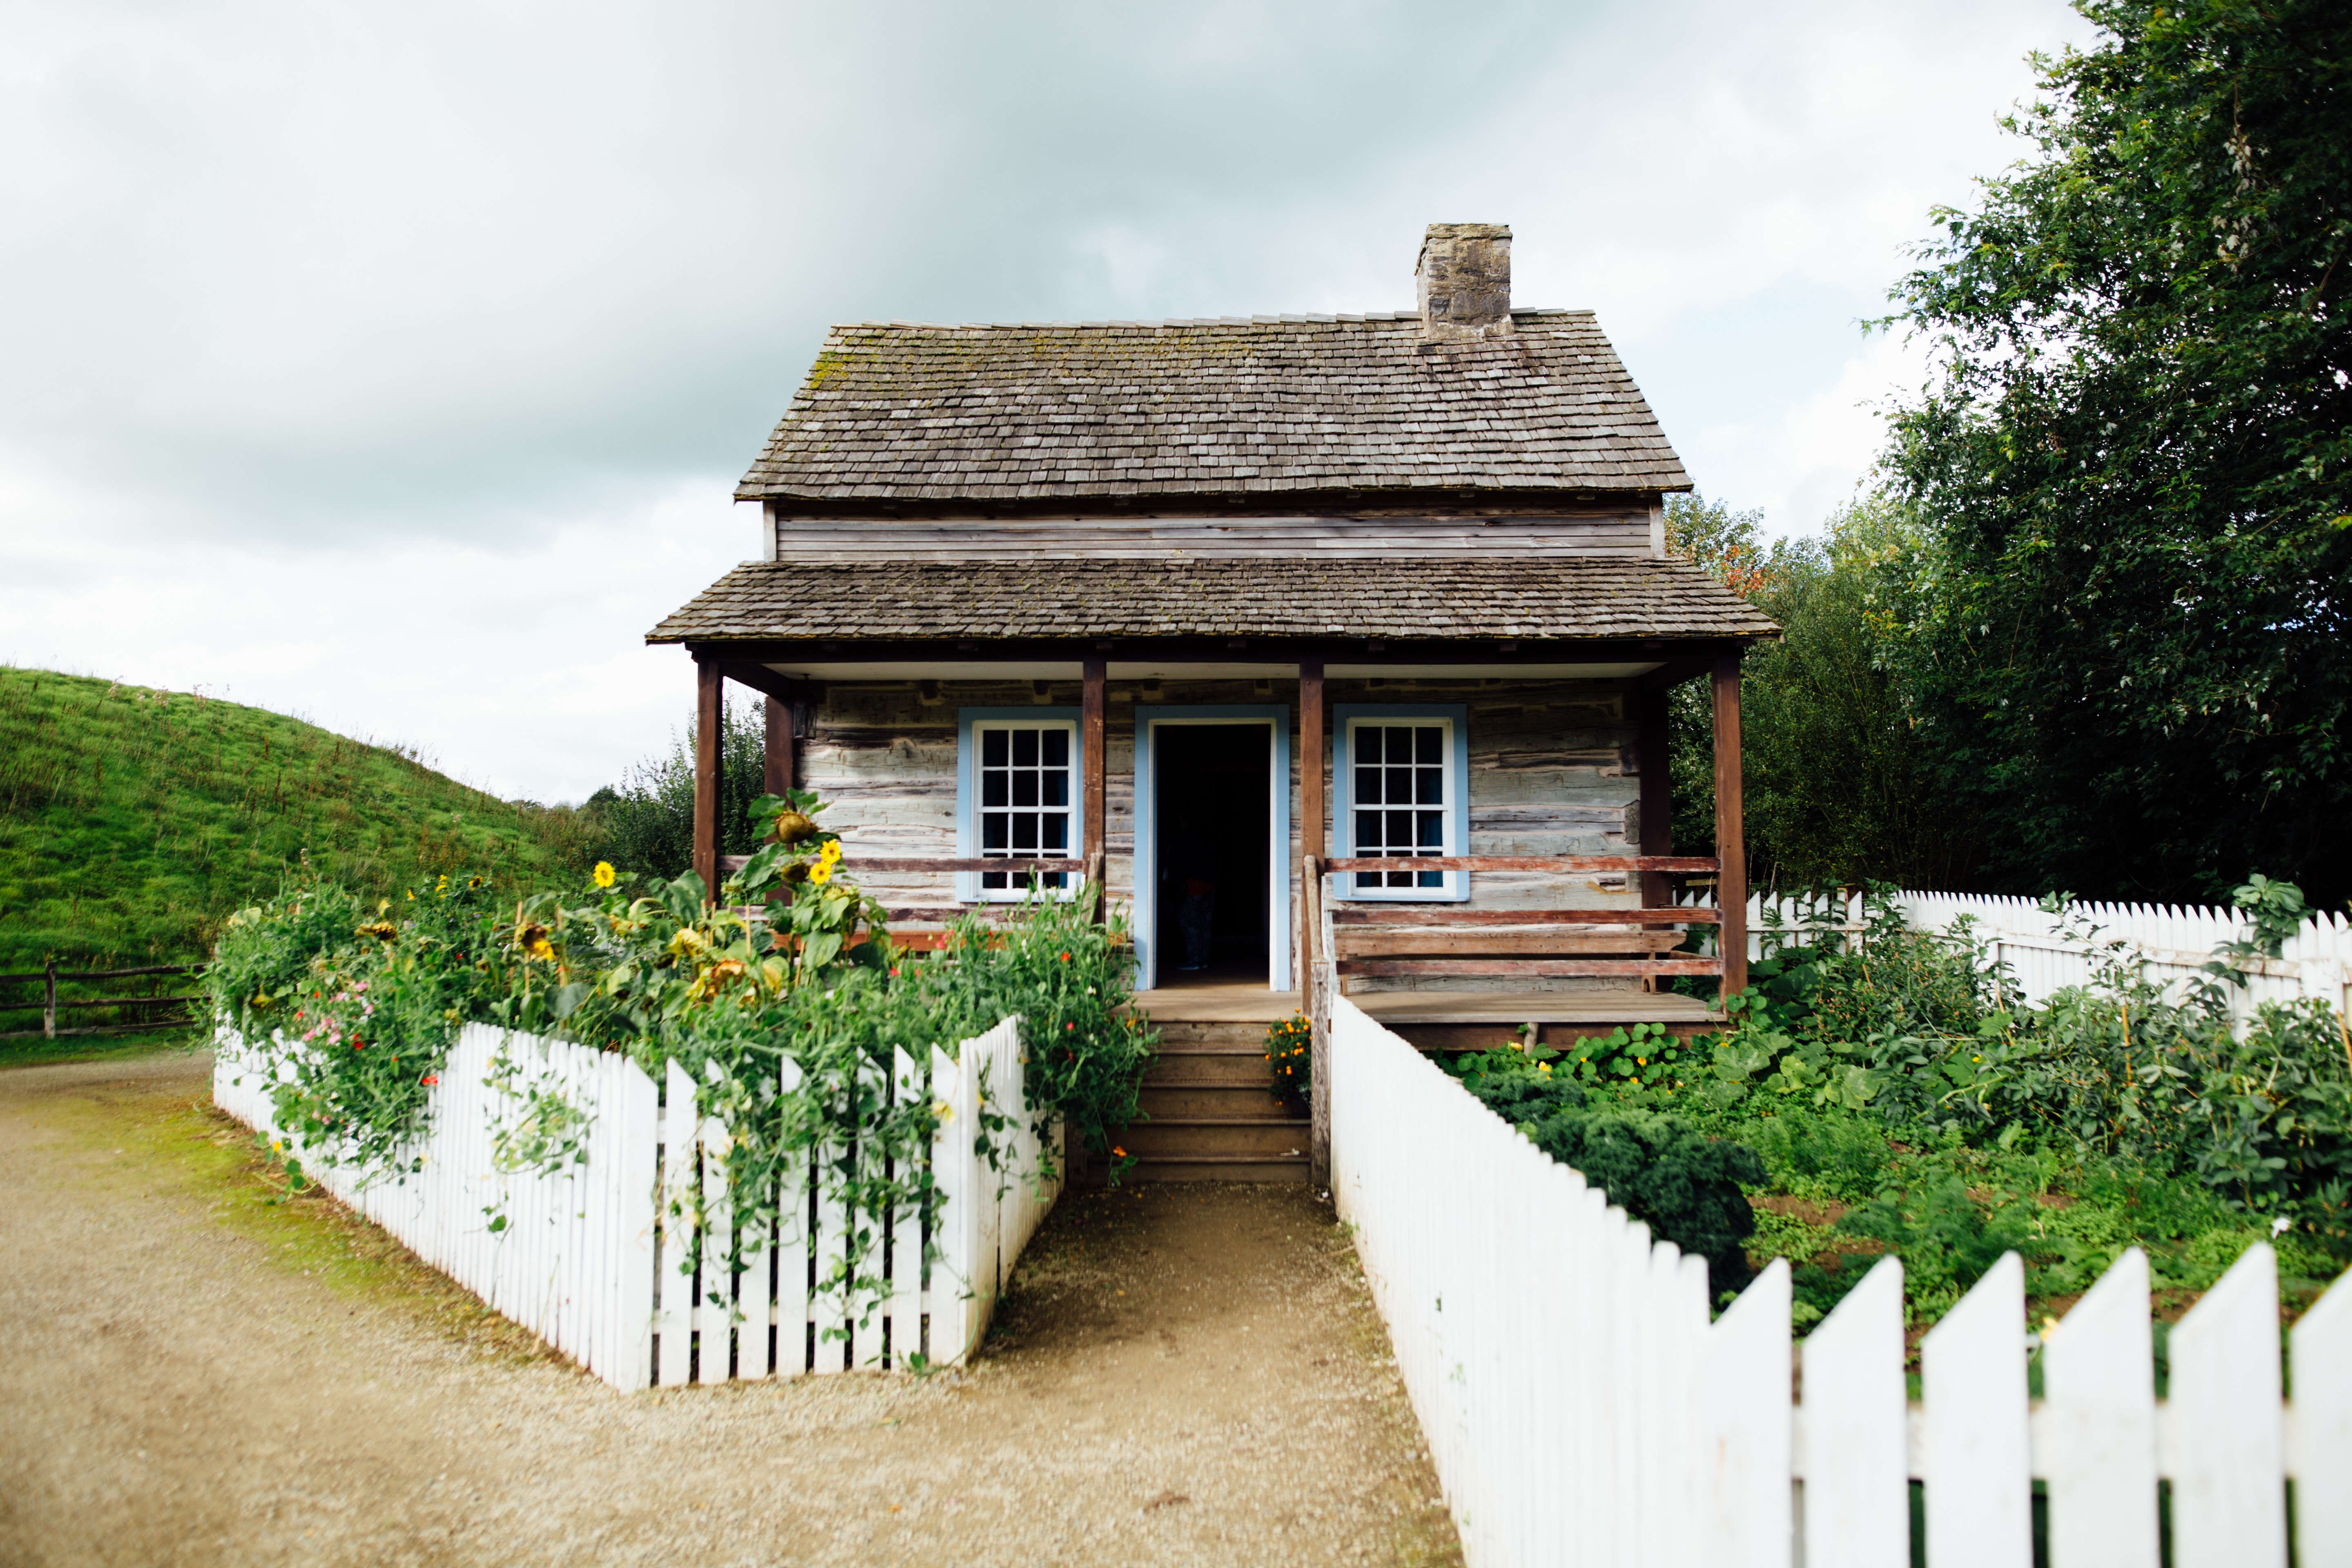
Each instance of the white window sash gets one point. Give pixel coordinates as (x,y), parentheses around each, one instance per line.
(1451,812)
(974,809)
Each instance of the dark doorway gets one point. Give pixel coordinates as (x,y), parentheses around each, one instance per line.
(1212,812)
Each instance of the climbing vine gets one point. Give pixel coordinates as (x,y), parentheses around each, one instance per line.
(786,1004)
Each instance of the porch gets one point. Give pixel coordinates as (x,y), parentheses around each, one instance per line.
(1441,939)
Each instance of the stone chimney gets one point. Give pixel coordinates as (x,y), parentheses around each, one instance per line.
(1463,281)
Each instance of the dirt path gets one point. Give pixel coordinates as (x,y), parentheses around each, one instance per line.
(194,1372)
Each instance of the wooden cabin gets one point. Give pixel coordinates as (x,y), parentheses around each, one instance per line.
(1342,636)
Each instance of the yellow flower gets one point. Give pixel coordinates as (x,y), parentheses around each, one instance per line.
(831,852)
(944,1112)
(603,876)
(821,873)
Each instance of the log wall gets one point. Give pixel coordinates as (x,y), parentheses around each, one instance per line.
(1553,771)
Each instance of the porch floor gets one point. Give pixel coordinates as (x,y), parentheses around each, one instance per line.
(1241,1002)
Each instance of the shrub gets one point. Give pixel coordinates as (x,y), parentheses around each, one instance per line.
(1657,1167)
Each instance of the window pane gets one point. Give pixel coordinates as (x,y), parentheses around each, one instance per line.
(1367,833)
(1400,747)
(1426,743)
(1429,786)
(1367,785)
(992,787)
(991,831)
(1025,829)
(993,879)
(991,748)
(1368,744)
(1025,787)
(1056,834)
(1054,787)
(1400,830)
(1024,748)
(1057,748)
(1431,839)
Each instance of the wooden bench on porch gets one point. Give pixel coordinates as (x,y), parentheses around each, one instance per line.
(1381,941)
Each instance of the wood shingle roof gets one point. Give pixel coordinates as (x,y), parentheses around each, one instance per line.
(901,413)
(1536,599)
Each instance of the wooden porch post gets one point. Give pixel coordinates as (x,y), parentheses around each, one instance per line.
(1311,747)
(1657,793)
(1094,801)
(1312,810)
(708,721)
(782,772)
(1730,841)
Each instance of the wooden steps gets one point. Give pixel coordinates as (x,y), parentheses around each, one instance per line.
(1212,1112)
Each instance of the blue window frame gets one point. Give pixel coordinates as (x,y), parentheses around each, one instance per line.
(1017,773)
(1401,786)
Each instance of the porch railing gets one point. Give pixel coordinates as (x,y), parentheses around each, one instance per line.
(1378,940)
(922,926)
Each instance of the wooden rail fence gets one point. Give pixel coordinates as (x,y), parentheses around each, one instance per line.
(161,1012)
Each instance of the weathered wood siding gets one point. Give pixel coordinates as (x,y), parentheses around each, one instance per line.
(1552,771)
(1615,532)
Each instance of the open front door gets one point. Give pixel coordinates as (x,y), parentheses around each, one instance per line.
(1213,878)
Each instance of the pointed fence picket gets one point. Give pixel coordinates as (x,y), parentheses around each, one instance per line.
(1580,1409)
(598,1257)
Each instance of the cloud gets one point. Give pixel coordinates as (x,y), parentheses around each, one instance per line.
(355,351)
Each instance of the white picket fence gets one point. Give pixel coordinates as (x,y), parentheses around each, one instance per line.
(593,1256)
(2174,941)
(1581,1409)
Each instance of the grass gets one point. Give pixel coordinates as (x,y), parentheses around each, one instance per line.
(132,821)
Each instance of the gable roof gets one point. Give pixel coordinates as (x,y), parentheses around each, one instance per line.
(1539,599)
(898,412)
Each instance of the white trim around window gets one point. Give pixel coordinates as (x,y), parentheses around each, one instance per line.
(1400,785)
(1019,774)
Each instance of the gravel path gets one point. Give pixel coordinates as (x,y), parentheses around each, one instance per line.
(196,1370)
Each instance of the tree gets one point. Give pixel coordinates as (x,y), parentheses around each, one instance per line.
(646,823)
(1838,787)
(2128,633)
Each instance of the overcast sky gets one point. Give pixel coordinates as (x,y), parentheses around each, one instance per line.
(392,365)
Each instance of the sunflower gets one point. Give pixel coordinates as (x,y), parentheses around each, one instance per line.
(603,874)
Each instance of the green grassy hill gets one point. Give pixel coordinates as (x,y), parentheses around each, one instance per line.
(132,822)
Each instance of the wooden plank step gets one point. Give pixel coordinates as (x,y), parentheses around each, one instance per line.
(1184,1033)
(1229,1102)
(1239,1071)
(1195,1137)
(1242,1168)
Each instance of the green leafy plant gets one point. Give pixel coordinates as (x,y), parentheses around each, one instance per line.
(1659,1168)
(791,968)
